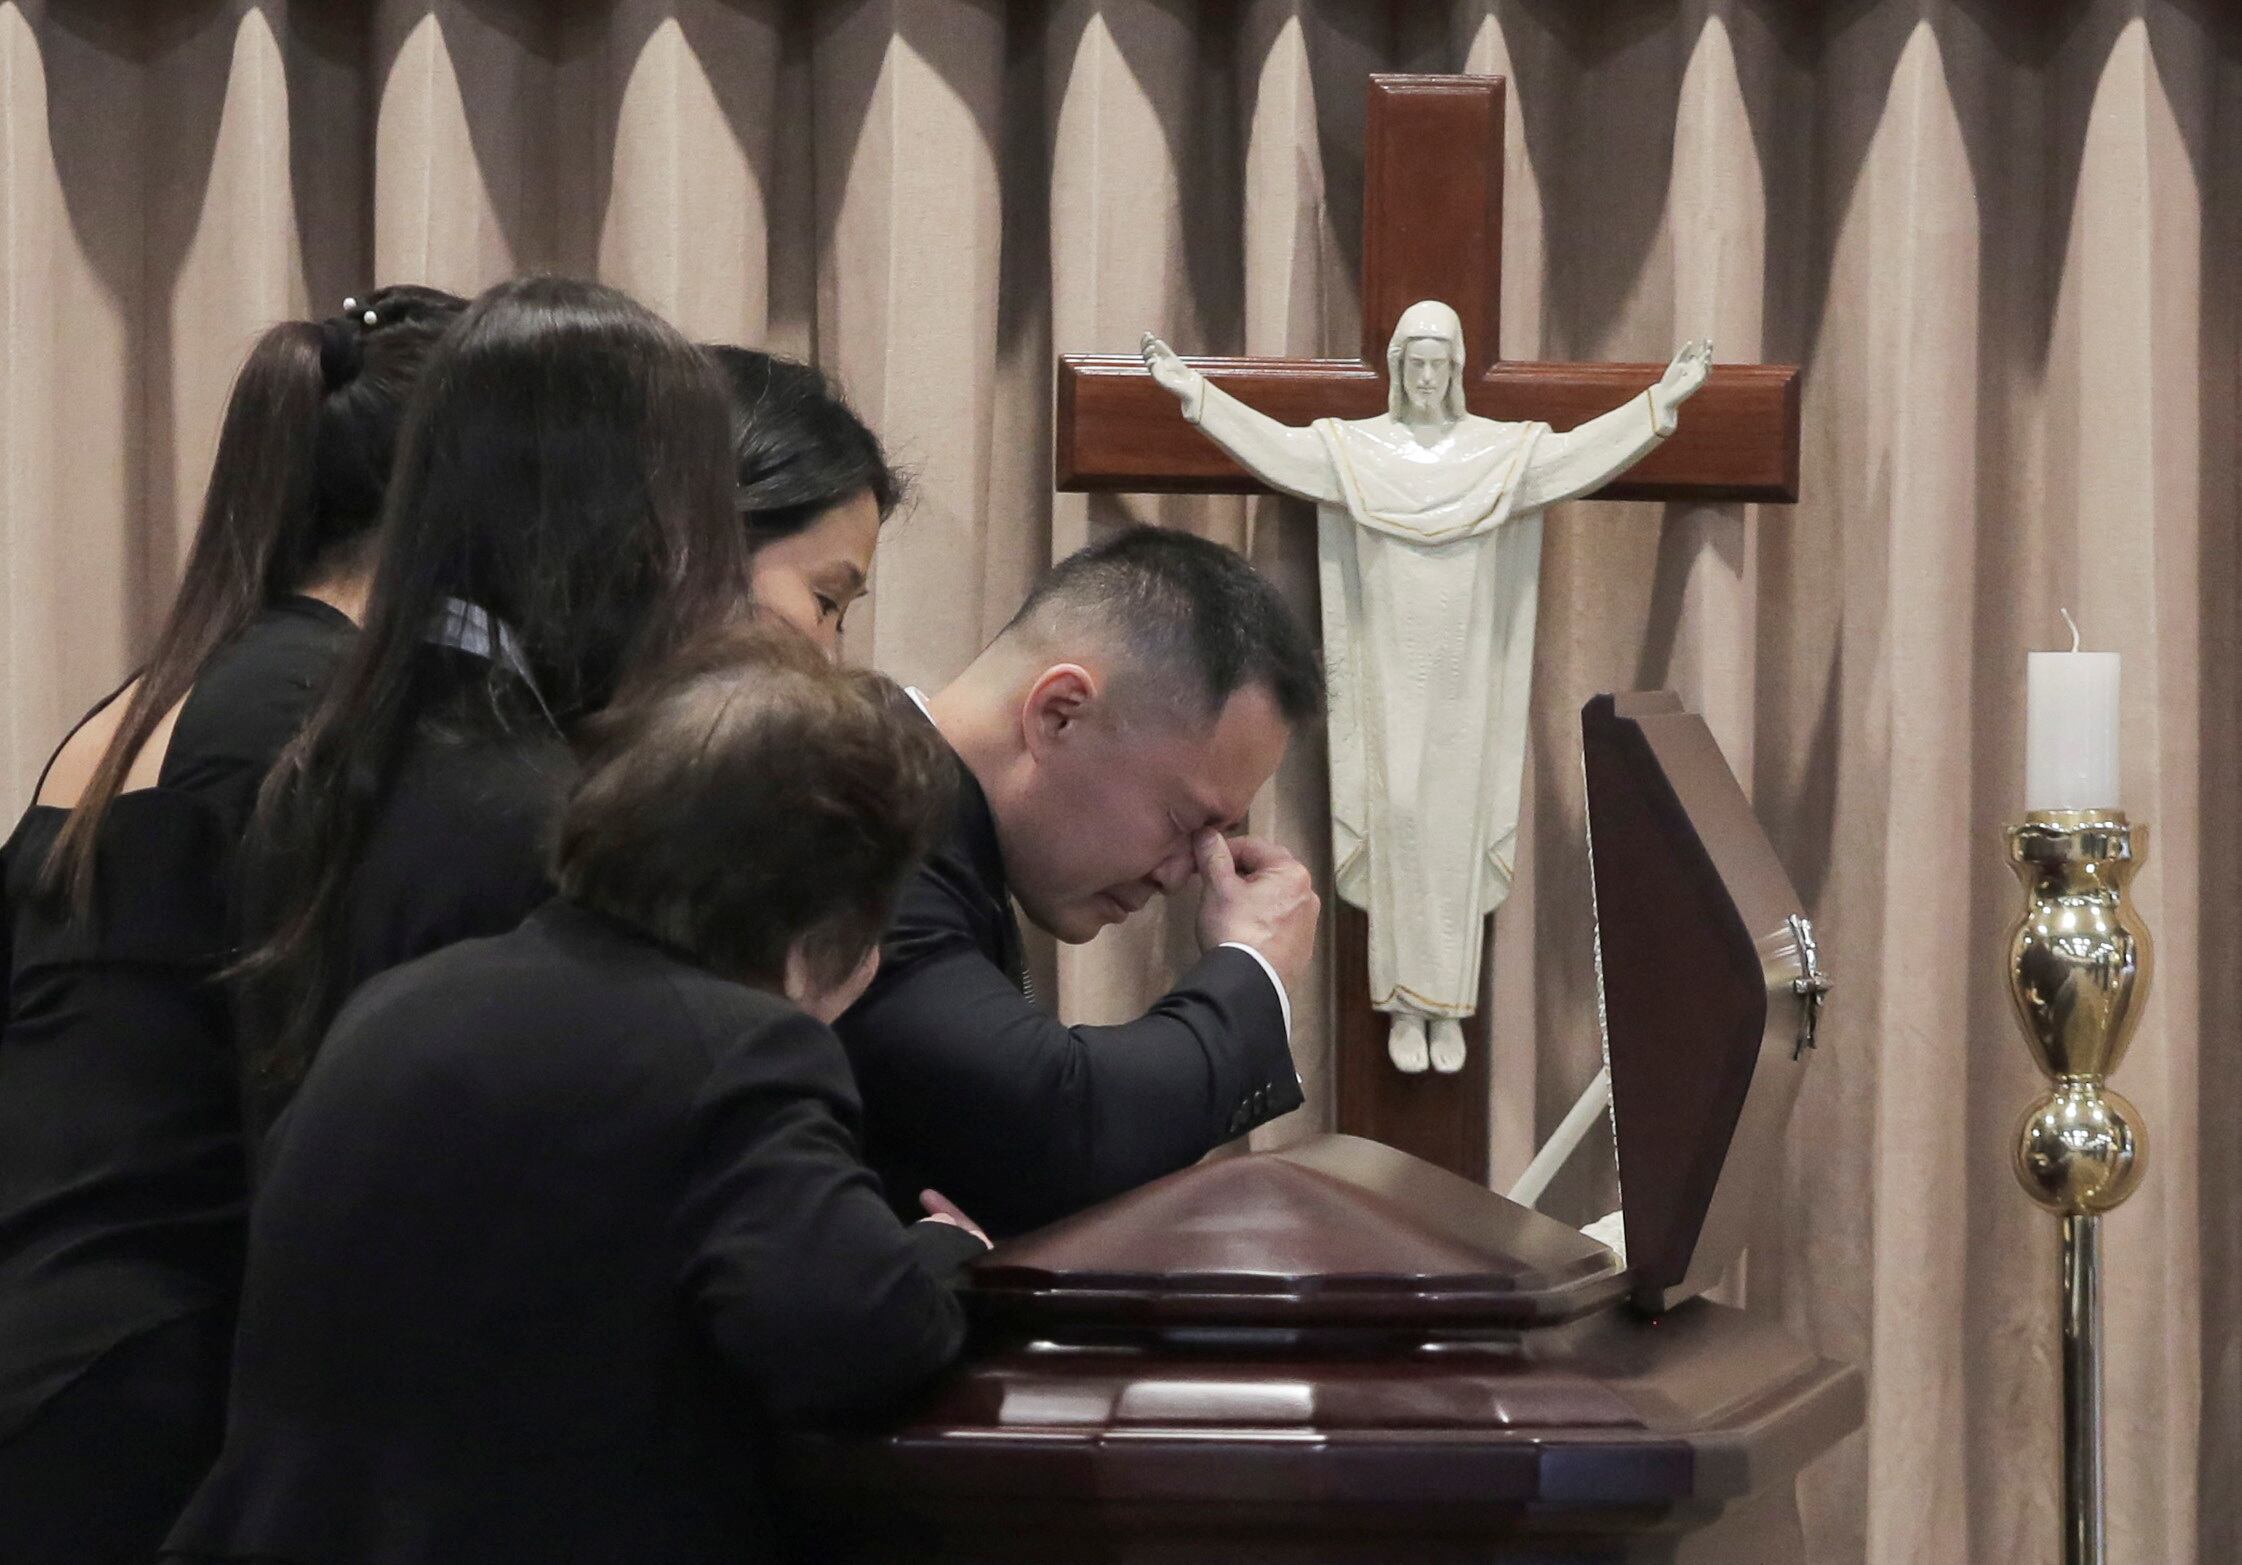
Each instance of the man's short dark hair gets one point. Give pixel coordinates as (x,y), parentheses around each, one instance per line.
(748,795)
(1191,615)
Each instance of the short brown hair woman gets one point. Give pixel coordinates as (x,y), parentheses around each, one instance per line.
(562,1223)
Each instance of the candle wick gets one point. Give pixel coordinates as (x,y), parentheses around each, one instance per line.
(2074,624)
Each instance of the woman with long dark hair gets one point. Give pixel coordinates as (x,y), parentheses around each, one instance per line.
(812,488)
(557,523)
(561,514)
(121,1154)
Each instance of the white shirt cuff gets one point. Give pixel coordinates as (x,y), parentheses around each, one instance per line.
(1284,1001)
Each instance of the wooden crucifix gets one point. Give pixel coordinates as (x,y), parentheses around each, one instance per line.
(1432,229)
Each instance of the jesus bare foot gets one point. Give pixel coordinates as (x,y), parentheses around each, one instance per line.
(1405,1044)
(1447,1045)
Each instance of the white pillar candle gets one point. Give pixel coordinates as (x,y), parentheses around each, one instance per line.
(2071,724)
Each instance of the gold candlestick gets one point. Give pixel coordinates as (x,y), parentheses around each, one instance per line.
(2078,970)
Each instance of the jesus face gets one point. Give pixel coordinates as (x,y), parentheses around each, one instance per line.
(1425,368)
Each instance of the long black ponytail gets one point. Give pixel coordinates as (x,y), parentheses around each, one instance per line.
(303,460)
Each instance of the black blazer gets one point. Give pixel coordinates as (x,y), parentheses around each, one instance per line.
(557,1229)
(972,1090)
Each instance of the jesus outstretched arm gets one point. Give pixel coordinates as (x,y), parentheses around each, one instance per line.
(1564,465)
(1595,453)
(1282,457)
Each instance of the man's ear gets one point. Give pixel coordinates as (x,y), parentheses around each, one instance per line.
(1056,702)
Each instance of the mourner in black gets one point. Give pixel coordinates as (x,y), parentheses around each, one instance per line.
(812,488)
(121,1149)
(565,1222)
(561,511)
(1106,740)
(578,490)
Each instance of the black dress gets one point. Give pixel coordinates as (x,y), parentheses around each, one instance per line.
(121,1155)
(558,1229)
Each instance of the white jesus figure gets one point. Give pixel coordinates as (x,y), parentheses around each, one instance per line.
(1429,540)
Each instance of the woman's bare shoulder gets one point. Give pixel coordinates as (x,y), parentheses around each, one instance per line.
(74,764)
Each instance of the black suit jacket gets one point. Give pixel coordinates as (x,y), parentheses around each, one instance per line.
(558,1227)
(972,1090)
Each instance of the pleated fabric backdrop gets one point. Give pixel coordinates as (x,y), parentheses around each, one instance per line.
(2003,239)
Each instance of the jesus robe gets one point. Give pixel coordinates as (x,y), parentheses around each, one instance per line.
(1430,560)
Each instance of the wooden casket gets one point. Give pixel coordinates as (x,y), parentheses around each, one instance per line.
(1336,1352)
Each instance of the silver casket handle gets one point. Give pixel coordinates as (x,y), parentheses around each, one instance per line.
(1812,985)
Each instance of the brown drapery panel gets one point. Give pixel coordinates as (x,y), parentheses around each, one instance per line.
(2003,238)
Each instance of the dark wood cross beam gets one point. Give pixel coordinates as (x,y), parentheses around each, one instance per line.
(1432,229)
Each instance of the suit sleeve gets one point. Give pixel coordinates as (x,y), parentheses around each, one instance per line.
(808,1285)
(945,1250)
(1020,1120)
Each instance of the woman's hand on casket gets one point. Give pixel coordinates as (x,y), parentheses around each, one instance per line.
(941,1209)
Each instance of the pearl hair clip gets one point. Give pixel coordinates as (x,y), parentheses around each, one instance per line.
(350,307)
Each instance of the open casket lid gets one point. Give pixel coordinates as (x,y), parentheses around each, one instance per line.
(1333,1232)
(1701,940)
